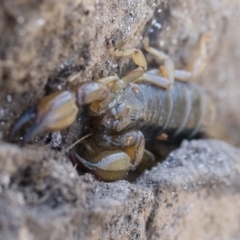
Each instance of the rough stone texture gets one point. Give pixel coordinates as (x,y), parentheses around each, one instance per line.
(194,194)
(48,45)
(42,197)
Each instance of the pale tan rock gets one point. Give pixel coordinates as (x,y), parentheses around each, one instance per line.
(194,194)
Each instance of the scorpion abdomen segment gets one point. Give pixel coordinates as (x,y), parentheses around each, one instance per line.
(185,110)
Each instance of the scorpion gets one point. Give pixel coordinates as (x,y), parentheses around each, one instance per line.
(160,103)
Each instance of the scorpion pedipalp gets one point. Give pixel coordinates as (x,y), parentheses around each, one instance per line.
(54,112)
(112,159)
(59,110)
(108,165)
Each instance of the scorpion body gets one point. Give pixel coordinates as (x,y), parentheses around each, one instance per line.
(124,112)
(182,111)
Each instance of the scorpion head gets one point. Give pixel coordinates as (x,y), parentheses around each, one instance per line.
(123,113)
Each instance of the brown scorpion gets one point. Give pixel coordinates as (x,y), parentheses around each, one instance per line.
(122,109)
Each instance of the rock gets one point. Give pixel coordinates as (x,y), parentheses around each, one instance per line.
(42,197)
(194,193)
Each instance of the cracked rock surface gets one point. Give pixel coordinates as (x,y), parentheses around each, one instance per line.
(50,45)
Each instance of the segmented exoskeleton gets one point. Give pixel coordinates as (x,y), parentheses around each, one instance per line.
(182,111)
(121,110)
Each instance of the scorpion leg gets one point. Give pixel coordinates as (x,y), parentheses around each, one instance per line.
(138,58)
(113,82)
(166,71)
(200,62)
(126,152)
(156,80)
(195,67)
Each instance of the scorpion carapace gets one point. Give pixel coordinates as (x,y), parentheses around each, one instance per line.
(141,104)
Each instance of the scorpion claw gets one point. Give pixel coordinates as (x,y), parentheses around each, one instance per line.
(25,117)
(54,112)
(32,131)
(108,165)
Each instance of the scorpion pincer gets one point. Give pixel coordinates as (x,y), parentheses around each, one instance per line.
(125,109)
